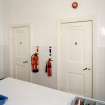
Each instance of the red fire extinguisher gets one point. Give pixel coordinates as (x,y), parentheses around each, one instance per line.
(49,67)
(35,62)
(49,64)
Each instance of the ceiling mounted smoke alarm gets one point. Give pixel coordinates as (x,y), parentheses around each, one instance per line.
(75,5)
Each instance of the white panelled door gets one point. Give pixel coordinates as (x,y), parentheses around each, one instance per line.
(76,58)
(21,52)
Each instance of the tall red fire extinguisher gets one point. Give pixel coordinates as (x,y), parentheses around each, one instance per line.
(49,67)
(35,61)
(49,63)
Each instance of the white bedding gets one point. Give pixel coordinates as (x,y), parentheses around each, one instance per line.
(24,93)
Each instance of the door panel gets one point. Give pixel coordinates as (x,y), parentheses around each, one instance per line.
(75,87)
(21,53)
(76,57)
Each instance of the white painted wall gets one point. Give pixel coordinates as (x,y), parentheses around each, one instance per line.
(4,65)
(1,40)
(42,15)
(1,22)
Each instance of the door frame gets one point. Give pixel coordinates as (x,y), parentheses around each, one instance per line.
(11,47)
(72,20)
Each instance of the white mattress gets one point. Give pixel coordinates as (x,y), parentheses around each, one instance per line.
(24,93)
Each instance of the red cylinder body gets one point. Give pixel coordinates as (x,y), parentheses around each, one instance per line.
(49,68)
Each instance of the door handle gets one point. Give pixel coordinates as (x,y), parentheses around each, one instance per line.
(25,61)
(86,69)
